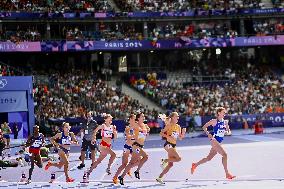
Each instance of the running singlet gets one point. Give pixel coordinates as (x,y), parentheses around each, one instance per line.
(131,131)
(107,132)
(5,130)
(142,134)
(174,131)
(65,140)
(37,141)
(219,130)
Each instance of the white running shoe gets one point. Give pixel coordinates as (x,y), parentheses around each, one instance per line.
(159,180)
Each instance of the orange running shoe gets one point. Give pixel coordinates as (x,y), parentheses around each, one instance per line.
(70,180)
(115,180)
(129,173)
(47,165)
(229,176)
(193,167)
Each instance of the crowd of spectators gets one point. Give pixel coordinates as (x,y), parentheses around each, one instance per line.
(186,5)
(20,35)
(267,27)
(73,94)
(199,30)
(245,93)
(63,6)
(278,3)
(109,32)
(6,70)
(55,6)
(121,31)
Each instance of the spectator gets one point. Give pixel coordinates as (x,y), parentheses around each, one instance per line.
(15,130)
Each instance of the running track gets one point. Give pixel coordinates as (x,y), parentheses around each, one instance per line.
(256,160)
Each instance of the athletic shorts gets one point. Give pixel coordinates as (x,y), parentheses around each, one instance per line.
(35,151)
(105,144)
(66,151)
(88,144)
(127,147)
(7,136)
(169,145)
(137,144)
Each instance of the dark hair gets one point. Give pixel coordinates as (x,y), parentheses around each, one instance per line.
(138,115)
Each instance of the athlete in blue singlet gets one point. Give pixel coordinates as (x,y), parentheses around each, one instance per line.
(129,140)
(66,138)
(220,127)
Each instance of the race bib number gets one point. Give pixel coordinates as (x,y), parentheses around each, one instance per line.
(142,135)
(221,133)
(108,133)
(37,143)
(175,134)
(169,146)
(66,141)
(137,150)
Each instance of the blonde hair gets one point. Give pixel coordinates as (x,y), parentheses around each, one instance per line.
(65,123)
(106,116)
(173,114)
(219,109)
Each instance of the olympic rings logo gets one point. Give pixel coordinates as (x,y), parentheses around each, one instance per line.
(3,83)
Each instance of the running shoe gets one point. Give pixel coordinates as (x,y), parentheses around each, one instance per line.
(137,175)
(193,167)
(115,180)
(70,180)
(159,180)
(229,176)
(47,165)
(121,180)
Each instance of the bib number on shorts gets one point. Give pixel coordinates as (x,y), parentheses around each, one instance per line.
(169,146)
(137,150)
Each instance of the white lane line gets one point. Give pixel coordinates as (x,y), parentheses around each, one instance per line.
(257,138)
(244,145)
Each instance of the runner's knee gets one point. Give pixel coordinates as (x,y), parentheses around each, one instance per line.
(178,158)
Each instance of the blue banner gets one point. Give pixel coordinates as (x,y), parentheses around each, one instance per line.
(19,88)
(18,83)
(176,43)
(13,101)
(137,14)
